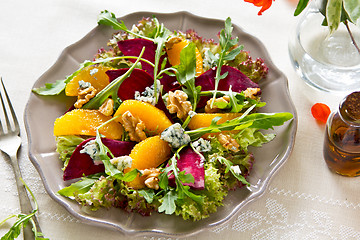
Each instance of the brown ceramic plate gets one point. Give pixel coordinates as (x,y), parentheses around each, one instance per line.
(41,113)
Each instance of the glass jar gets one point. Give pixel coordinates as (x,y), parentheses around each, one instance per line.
(342,137)
(328,62)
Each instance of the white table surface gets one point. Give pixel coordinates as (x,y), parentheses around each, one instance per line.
(304,199)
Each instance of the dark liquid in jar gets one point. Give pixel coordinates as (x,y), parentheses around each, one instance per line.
(342,148)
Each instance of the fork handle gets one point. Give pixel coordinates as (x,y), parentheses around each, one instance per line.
(25,203)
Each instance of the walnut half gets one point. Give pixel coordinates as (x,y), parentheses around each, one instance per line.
(134,126)
(107,108)
(228,142)
(84,96)
(251,92)
(177,103)
(151,177)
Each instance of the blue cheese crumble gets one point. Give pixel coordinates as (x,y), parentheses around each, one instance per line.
(122,162)
(191,114)
(92,149)
(93,71)
(236,169)
(175,135)
(148,94)
(83,84)
(202,145)
(209,61)
(115,39)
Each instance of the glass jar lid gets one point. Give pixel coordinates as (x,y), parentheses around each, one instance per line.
(350,108)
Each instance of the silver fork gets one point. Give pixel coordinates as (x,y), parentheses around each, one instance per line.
(10,143)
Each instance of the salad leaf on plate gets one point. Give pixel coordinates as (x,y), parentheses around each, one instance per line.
(80,187)
(186,72)
(108,18)
(254,120)
(229,50)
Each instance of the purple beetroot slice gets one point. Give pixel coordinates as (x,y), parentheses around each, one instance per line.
(192,163)
(235,78)
(81,164)
(133,47)
(137,81)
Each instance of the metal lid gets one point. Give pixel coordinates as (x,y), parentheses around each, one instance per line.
(350,107)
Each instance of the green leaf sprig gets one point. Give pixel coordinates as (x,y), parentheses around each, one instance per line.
(228,164)
(148,194)
(23,220)
(246,120)
(186,72)
(160,41)
(109,19)
(229,50)
(81,186)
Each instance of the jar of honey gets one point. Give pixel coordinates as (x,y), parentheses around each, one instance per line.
(342,137)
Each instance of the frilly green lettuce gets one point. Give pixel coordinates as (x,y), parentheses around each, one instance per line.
(214,193)
(102,194)
(65,146)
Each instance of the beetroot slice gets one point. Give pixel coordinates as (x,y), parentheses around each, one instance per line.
(169,83)
(137,81)
(192,163)
(133,47)
(235,78)
(81,164)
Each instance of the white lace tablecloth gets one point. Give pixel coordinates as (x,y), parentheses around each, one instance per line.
(304,199)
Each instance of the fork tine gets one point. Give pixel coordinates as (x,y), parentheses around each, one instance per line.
(4,111)
(2,102)
(1,127)
(15,121)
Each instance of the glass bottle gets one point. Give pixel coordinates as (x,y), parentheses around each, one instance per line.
(342,137)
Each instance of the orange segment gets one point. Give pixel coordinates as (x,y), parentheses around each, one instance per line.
(85,122)
(204,120)
(93,74)
(149,153)
(199,63)
(154,119)
(174,56)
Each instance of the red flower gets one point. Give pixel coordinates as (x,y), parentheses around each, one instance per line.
(320,111)
(264,4)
